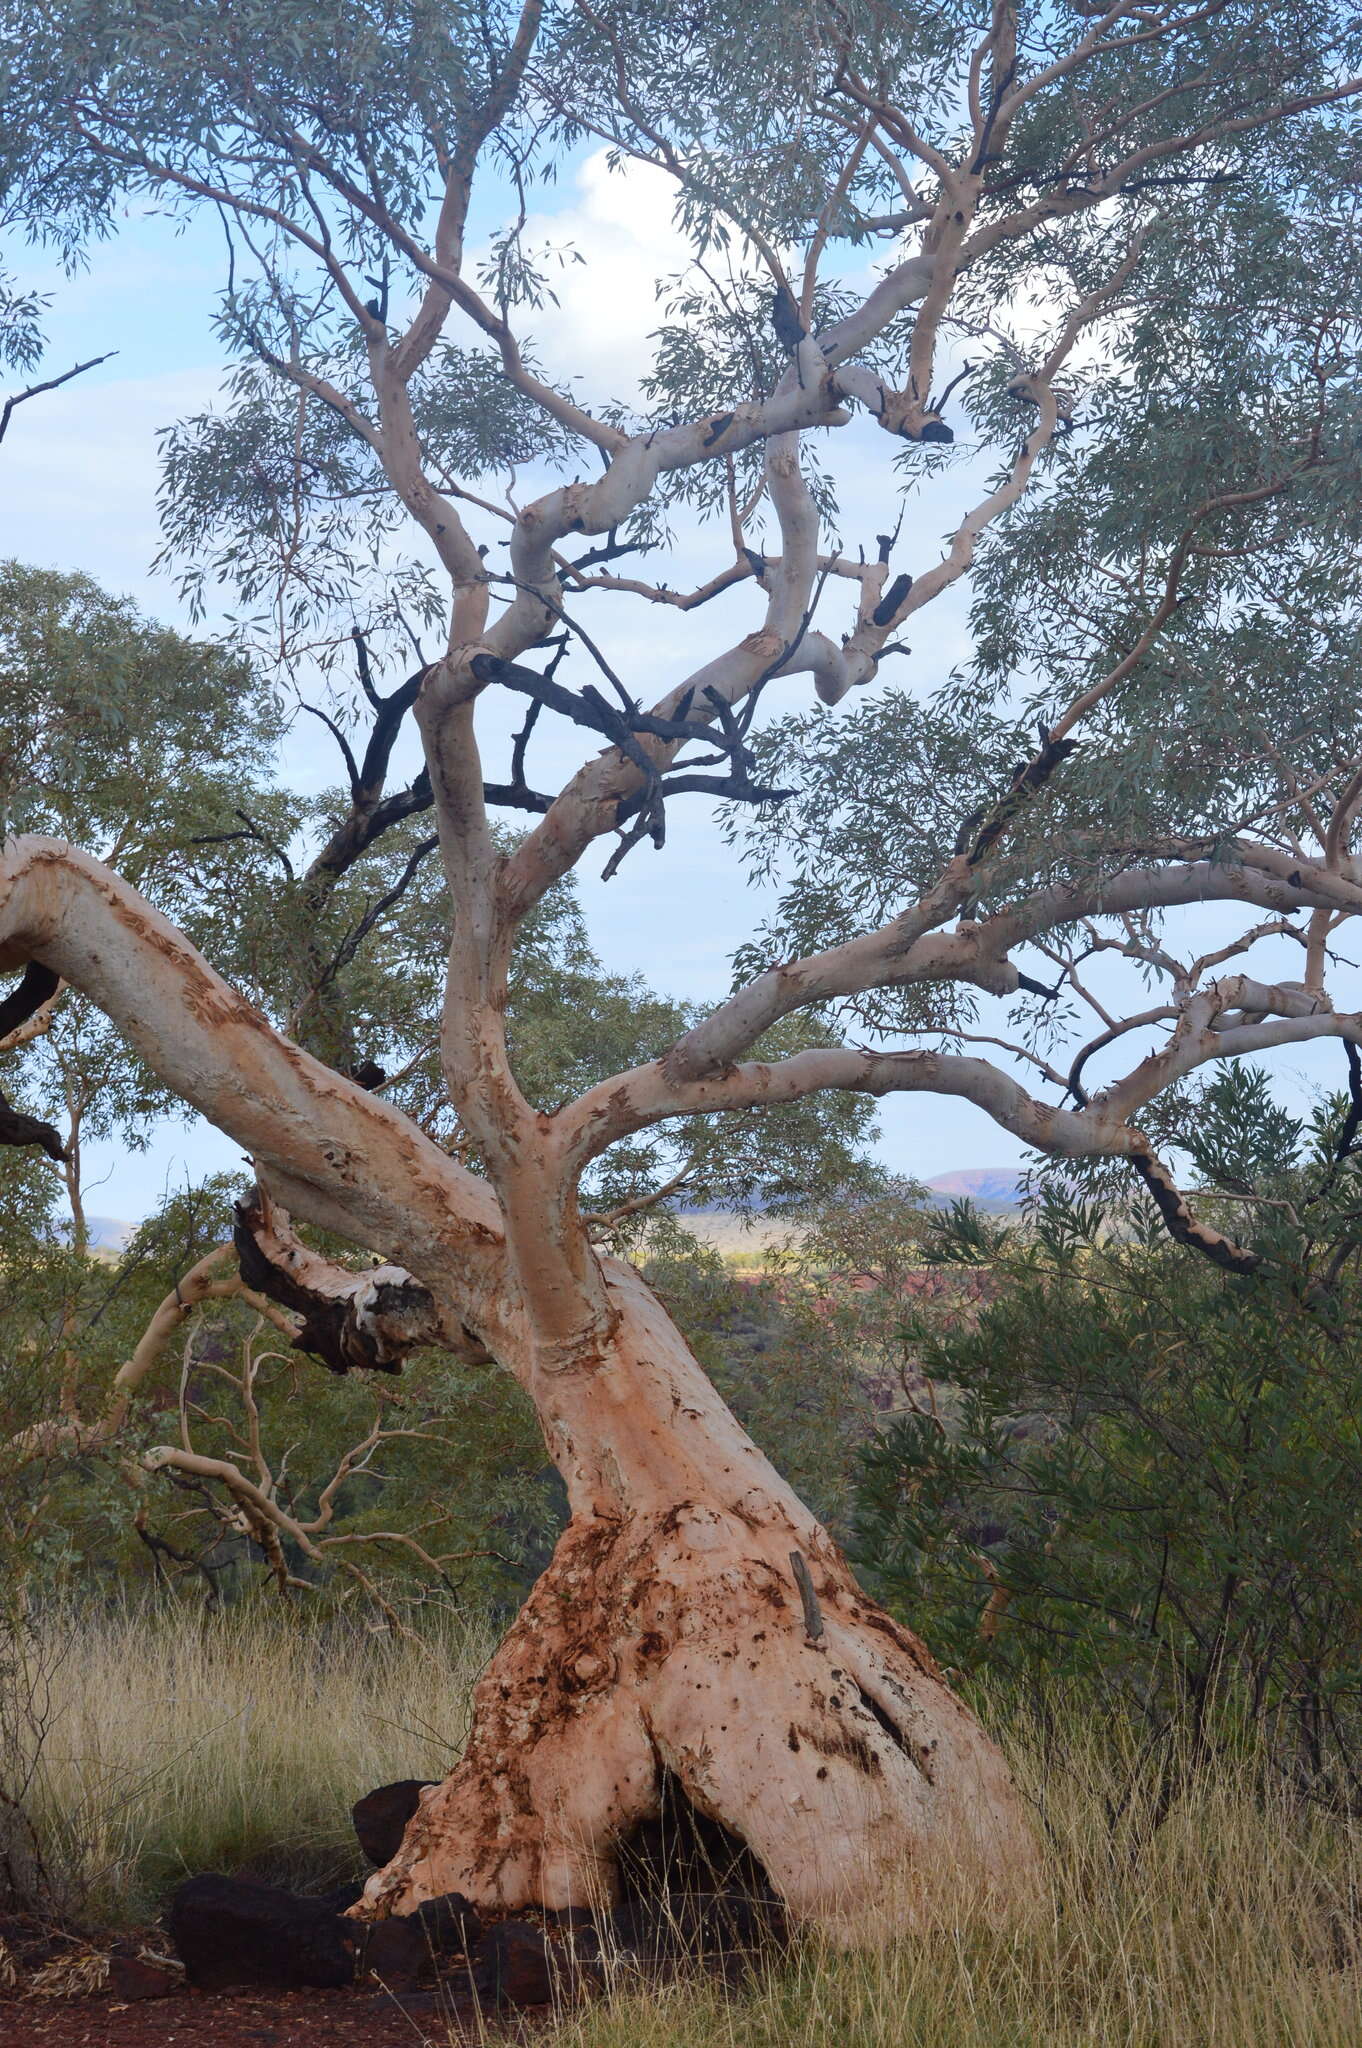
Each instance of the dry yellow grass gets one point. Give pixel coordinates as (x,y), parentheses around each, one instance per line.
(178,1743)
(174,1741)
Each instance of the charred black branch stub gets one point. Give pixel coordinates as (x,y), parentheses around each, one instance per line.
(371,1325)
(1040,988)
(37,985)
(786,324)
(1346,1143)
(893,597)
(18,1129)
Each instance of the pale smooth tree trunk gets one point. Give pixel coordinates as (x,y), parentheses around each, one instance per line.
(669,1635)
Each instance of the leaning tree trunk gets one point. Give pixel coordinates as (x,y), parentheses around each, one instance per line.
(670,1635)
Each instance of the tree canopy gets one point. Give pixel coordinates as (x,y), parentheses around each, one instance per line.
(1102,268)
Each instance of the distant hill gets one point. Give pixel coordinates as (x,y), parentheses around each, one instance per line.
(110,1233)
(988,1187)
(107,1234)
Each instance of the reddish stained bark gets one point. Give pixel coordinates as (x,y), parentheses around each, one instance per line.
(668,1636)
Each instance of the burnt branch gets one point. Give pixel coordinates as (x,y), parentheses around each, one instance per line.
(37,986)
(610,550)
(50,384)
(366,679)
(723,731)
(1346,1144)
(369,1321)
(983,828)
(18,1129)
(355,938)
(249,830)
(1183,1226)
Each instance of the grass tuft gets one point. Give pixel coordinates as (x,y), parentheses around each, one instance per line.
(164,1742)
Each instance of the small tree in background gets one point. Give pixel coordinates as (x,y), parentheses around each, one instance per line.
(1139,1476)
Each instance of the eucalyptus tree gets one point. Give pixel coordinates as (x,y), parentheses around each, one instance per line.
(1119,242)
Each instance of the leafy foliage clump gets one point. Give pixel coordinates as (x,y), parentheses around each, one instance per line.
(1140,1475)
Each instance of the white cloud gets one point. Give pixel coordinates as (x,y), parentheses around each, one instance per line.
(620,225)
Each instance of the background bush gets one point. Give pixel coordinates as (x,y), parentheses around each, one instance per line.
(1137,1476)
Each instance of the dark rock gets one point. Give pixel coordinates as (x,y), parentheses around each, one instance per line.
(449,1925)
(381,1816)
(395,1951)
(576,1953)
(131,1978)
(514,1967)
(341,1897)
(231,1933)
(410,1948)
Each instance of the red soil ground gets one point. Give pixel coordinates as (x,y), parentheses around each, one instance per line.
(278,2019)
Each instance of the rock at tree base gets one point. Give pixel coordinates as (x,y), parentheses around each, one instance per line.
(131,1978)
(381,1816)
(233,1933)
(401,1951)
(514,1967)
(396,1952)
(449,1925)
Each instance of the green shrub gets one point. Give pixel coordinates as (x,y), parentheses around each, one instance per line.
(1139,1473)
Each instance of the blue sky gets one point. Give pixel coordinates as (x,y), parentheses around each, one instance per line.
(80,473)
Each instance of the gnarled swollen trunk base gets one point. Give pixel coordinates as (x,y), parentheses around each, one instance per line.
(672,1639)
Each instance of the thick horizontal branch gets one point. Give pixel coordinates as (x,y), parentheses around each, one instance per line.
(913,948)
(648,1096)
